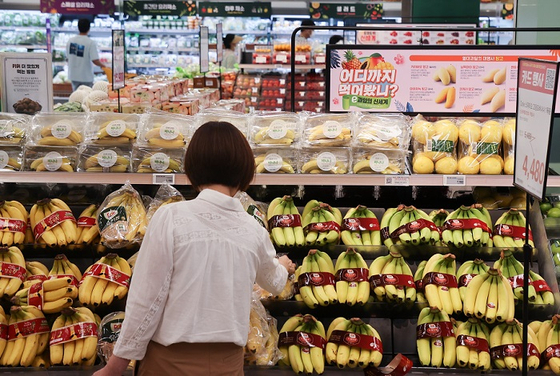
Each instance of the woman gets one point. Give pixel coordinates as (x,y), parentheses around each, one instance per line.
(188,306)
(230,44)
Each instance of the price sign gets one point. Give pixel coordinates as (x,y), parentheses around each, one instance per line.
(219,42)
(204,59)
(118,59)
(537,81)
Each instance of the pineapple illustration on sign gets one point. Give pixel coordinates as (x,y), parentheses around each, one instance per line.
(352,62)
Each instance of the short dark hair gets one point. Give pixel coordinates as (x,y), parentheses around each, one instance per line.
(219,154)
(84,25)
(307,22)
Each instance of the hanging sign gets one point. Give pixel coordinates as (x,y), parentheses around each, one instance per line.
(204,59)
(78,6)
(219,42)
(212,9)
(160,8)
(358,10)
(118,59)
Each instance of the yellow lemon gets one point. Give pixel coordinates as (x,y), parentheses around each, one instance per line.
(488,202)
(446,130)
(469,132)
(491,132)
(491,166)
(422,131)
(423,165)
(468,165)
(446,165)
(508,134)
(509,165)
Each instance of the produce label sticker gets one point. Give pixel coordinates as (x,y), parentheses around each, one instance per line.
(303,339)
(285,220)
(513,350)
(113,218)
(316,279)
(435,330)
(322,227)
(73,280)
(253,211)
(110,331)
(4,158)
(12,225)
(52,220)
(52,161)
(331,129)
(362,341)
(516,232)
(277,129)
(326,161)
(4,331)
(86,221)
(487,148)
(465,279)
(107,158)
(440,279)
(401,280)
(61,129)
(9,270)
(413,226)
(352,275)
(169,130)
(73,332)
(552,351)
(444,146)
(28,327)
(378,162)
(35,295)
(541,286)
(273,162)
(116,128)
(159,162)
(360,224)
(476,343)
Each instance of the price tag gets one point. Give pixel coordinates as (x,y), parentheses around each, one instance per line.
(163,179)
(278,66)
(401,181)
(454,180)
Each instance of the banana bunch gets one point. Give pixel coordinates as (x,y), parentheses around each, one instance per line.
(14,271)
(489,296)
(325,135)
(14,136)
(351,275)
(420,296)
(473,349)
(316,280)
(407,225)
(115,132)
(261,348)
(438,217)
(440,284)
(12,164)
(392,280)
(321,223)
(40,165)
(3,339)
(87,229)
(268,136)
(63,135)
(435,339)
(14,217)
(105,280)
(466,227)
(312,167)
(301,342)
(73,339)
(146,166)
(36,272)
(51,296)
(92,164)
(509,230)
(165,136)
(285,223)
(29,341)
(506,346)
(63,268)
(262,166)
(363,165)
(353,343)
(53,223)
(467,271)
(548,337)
(360,227)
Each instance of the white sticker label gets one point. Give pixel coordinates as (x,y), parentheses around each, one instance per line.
(455,180)
(326,161)
(61,129)
(107,158)
(3,159)
(52,161)
(6,128)
(169,130)
(378,162)
(116,127)
(332,129)
(159,162)
(401,181)
(277,129)
(386,134)
(273,162)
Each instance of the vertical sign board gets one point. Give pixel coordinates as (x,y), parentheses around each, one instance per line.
(118,59)
(26,76)
(537,81)
(204,59)
(219,42)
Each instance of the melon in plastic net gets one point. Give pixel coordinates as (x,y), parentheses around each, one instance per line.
(78,96)
(101,85)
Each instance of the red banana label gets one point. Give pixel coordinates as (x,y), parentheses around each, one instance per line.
(516,232)
(352,275)
(35,295)
(4,331)
(465,279)
(12,225)
(399,366)
(9,270)
(86,222)
(476,343)
(541,286)
(360,224)
(51,221)
(466,224)
(322,226)
(100,270)
(552,351)
(303,339)
(413,226)
(517,281)
(419,285)
(356,340)
(74,281)
(315,279)
(285,220)
(385,234)
(37,277)
(404,280)
(435,330)
(515,350)
(439,279)
(73,332)
(27,328)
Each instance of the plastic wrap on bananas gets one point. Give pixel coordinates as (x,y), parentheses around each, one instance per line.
(111,128)
(316,280)
(506,347)
(329,129)
(276,161)
(104,281)
(166,194)
(110,327)
(11,158)
(387,131)
(261,348)
(509,230)
(351,276)
(53,223)
(13,128)
(36,272)
(302,340)
(40,158)
(253,208)
(360,227)
(325,161)
(285,222)
(286,294)
(122,218)
(468,227)
(62,129)
(156,160)
(392,280)
(379,161)
(275,129)
(321,223)
(473,350)
(166,131)
(407,225)
(12,264)
(435,339)
(14,218)
(104,159)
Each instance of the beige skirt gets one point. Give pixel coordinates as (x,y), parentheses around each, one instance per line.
(191,359)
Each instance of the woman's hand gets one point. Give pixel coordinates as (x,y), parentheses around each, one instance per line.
(287,263)
(115,367)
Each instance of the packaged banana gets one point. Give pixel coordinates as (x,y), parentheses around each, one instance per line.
(109,128)
(301,341)
(261,348)
(58,129)
(387,131)
(157,160)
(109,329)
(95,158)
(14,128)
(11,158)
(379,161)
(104,281)
(508,145)
(325,161)
(329,129)
(14,218)
(479,147)
(238,119)
(165,131)
(51,158)
(255,209)
(166,194)
(434,146)
(275,129)
(88,231)
(275,161)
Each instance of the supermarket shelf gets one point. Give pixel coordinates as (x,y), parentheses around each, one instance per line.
(170,49)
(27,46)
(163,31)
(281,66)
(28,28)
(131,66)
(75,30)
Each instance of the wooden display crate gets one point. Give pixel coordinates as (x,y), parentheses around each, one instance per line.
(62,90)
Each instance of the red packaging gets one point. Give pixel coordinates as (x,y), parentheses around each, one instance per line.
(100,270)
(315,279)
(28,327)
(399,366)
(515,350)
(466,224)
(302,339)
(51,221)
(516,232)
(476,343)
(9,270)
(360,224)
(352,275)
(403,280)
(413,226)
(356,340)
(440,279)
(73,332)
(435,330)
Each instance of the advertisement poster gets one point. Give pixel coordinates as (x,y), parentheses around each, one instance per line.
(427,79)
(418,34)
(78,7)
(26,82)
(118,59)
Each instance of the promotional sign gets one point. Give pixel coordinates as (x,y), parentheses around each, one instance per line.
(118,59)
(78,7)
(427,79)
(358,10)
(418,34)
(219,42)
(536,94)
(26,79)
(212,9)
(160,8)
(204,59)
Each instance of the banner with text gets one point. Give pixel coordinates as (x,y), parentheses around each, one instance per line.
(212,9)
(340,11)
(160,8)
(78,7)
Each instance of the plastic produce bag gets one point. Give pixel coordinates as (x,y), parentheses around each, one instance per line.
(104,159)
(325,160)
(434,146)
(108,333)
(51,158)
(480,147)
(286,294)
(255,209)
(261,348)
(275,129)
(165,130)
(166,194)
(157,160)
(508,145)
(107,128)
(276,161)
(379,161)
(388,131)
(13,128)
(11,158)
(329,129)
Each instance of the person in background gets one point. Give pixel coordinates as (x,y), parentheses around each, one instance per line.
(305,34)
(81,52)
(336,39)
(187,311)
(230,44)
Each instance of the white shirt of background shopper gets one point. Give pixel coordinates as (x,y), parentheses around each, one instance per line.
(230,45)
(81,52)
